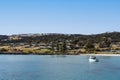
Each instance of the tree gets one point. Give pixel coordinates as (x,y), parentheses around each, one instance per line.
(64,47)
(89,46)
(3,50)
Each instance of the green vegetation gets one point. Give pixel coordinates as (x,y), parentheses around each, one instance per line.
(3,50)
(60,43)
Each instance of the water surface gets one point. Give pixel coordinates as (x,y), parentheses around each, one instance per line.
(47,67)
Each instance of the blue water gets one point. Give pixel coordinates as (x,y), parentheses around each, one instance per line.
(35,67)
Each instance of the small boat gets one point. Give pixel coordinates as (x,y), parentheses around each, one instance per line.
(93,59)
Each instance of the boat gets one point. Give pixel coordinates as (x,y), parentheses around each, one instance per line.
(93,59)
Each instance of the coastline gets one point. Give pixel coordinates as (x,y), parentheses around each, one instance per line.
(91,54)
(101,54)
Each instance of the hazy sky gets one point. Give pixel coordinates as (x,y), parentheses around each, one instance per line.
(59,16)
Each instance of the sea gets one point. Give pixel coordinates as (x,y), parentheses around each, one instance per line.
(58,67)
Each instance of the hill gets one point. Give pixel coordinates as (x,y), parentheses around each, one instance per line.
(53,43)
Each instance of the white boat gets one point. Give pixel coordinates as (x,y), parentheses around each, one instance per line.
(93,59)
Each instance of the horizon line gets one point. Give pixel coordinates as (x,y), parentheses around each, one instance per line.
(60,33)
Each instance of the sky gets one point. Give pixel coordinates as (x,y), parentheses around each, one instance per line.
(59,16)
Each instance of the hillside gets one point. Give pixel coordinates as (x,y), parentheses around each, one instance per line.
(53,43)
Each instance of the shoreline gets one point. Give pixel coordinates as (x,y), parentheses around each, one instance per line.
(101,54)
(62,54)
